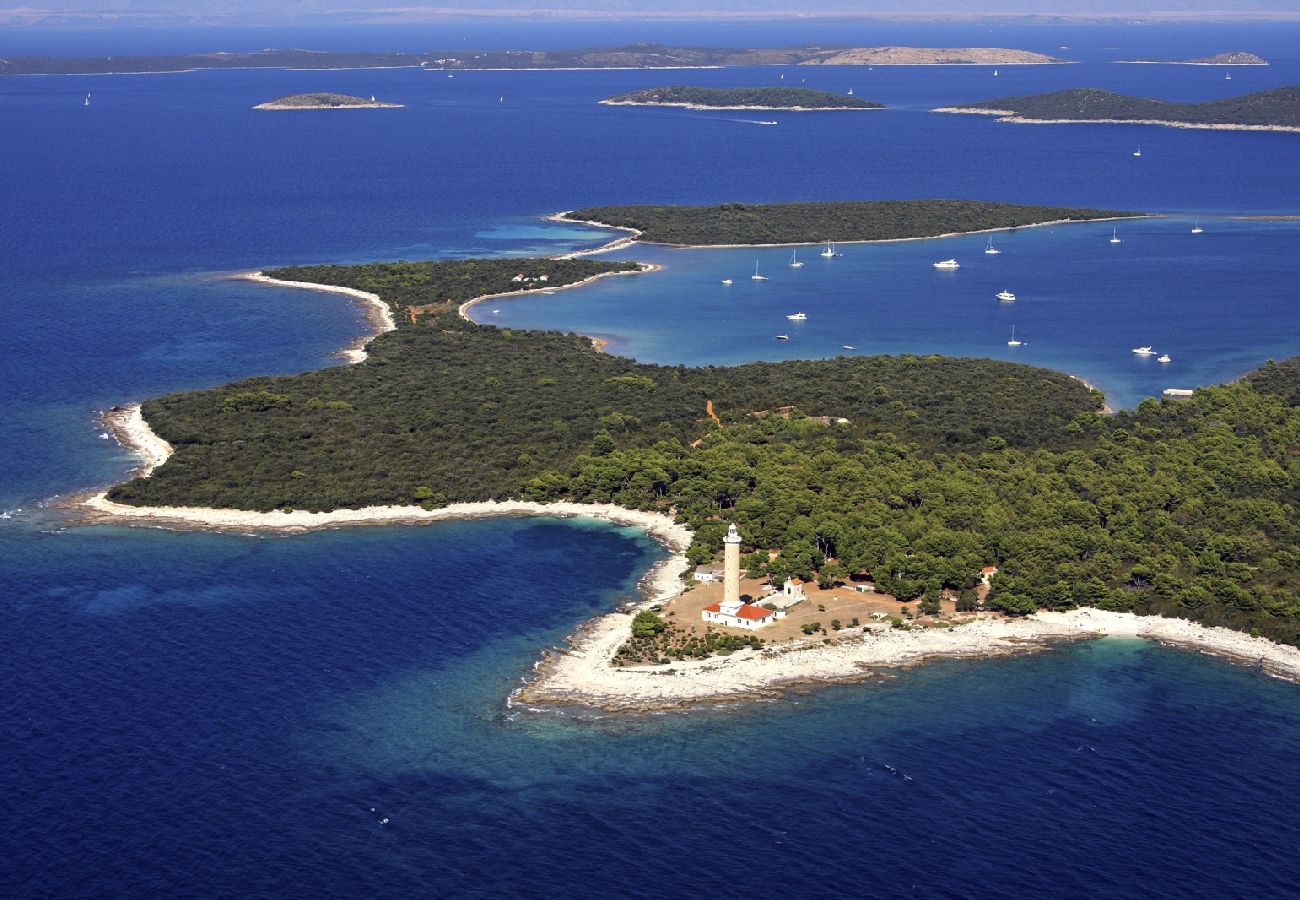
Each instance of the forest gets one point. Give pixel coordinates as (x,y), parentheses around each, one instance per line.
(1280,106)
(744,98)
(806,223)
(940,466)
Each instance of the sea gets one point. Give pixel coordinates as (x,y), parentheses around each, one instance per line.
(325,715)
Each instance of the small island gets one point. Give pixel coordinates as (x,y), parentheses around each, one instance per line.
(325,101)
(766,98)
(809,223)
(1273,110)
(1231,58)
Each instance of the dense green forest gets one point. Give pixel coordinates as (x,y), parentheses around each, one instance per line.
(944,465)
(744,97)
(1280,106)
(795,223)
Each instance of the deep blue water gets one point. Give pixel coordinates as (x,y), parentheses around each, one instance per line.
(190,714)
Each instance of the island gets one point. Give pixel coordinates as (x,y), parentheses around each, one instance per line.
(866,511)
(1272,110)
(1231,58)
(769,98)
(807,223)
(325,101)
(632,56)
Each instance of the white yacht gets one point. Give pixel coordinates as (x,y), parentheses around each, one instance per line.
(797,317)
(726,281)
(1196,226)
(1144,351)
(830,252)
(990,249)
(1164,358)
(1114,236)
(783,337)
(794,260)
(849,347)
(947,264)
(1006,296)
(756,276)
(1013,342)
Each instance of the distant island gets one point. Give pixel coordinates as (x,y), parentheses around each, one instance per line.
(632,56)
(782,98)
(1273,110)
(808,223)
(325,101)
(1231,58)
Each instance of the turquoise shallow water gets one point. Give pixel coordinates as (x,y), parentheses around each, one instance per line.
(206,715)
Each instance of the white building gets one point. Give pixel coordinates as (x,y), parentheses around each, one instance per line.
(708,573)
(739,614)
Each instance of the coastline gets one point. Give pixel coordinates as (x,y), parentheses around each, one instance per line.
(378,315)
(583,675)
(463,309)
(701,106)
(1008,115)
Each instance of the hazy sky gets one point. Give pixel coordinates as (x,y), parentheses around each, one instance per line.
(283,11)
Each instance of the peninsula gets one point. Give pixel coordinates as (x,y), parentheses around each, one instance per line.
(325,101)
(1273,110)
(808,223)
(766,98)
(893,509)
(632,56)
(1231,58)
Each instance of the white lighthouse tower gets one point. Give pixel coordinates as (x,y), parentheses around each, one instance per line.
(731,565)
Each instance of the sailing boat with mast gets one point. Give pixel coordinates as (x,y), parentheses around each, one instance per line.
(794,260)
(756,276)
(1013,342)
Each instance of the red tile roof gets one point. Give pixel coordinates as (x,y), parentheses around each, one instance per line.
(989,570)
(746,611)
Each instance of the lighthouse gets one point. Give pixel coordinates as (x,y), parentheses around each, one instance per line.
(731,565)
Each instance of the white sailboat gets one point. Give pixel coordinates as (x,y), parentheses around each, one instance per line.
(756,276)
(1013,342)
(1196,226)
(990,249)
(1227,76)
(995,72)
(1137,152)
(850,92)
(829,252)
(794,260)
(1114,236)
(1006,296)
(87,101)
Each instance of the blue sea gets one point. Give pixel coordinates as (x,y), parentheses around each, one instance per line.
(194,714)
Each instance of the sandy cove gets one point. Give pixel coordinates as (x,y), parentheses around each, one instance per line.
(584,676)
(1010,115)
(378,315)
(600,342)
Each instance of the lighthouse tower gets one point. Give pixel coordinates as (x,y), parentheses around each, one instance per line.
(731,565)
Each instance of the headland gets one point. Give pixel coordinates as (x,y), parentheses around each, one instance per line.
(1274,110)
